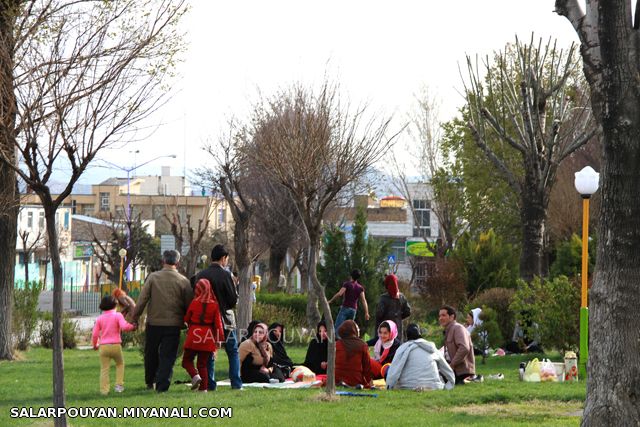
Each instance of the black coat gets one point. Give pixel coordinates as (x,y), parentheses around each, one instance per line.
(225,291)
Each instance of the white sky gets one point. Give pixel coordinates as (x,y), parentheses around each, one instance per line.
(381,53)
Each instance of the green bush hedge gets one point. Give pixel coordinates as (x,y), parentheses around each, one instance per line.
(69,332)
(295,302)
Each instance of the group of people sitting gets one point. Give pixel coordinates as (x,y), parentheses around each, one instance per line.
(414,364)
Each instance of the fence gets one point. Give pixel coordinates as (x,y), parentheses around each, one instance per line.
(84,300)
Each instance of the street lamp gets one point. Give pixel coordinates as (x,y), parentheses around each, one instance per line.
(128,213)
(586,183)
(123,253)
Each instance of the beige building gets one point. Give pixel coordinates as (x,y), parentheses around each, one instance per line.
(110,199)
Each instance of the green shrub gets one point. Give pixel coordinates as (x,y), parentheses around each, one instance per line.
(568,257)
(292,321)
(554,305)
(499,299)
(487,262)
(25,313)
(69,332)
(487,335)
(297,303)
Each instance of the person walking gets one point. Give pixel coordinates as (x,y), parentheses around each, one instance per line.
(351,291)
(106,338)
(204,336)
(226,294)
(166,295)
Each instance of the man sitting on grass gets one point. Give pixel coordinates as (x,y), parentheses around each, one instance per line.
(458,347)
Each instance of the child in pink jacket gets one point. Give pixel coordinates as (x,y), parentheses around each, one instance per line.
(107,332)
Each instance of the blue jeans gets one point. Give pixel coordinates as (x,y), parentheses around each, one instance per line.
(231,348)
(345,313)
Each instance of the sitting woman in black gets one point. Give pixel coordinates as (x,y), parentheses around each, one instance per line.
(316,358)
(282,364)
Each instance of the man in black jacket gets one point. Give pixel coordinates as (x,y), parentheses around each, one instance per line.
(227,295)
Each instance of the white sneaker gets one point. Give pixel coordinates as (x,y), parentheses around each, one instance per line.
(195,382)
(118,388)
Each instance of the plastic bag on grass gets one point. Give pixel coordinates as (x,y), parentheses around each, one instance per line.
(532,371)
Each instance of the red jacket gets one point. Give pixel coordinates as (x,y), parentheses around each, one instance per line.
(204,331)
(354,369)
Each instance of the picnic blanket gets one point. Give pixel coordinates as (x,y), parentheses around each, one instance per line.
(284,385)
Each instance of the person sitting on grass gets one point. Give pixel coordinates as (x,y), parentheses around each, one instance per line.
(353,367)
(316,358)
(204,336)
(255,357)
(458,348)
(106,338)
(282,364)
(418,365)
(385,348)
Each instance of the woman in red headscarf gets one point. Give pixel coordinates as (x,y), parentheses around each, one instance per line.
(205,333)
(392,306)
(353,366)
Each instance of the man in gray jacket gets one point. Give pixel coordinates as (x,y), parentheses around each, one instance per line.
(418,365)
(166,294)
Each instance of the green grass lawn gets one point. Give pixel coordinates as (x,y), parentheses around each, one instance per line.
(27,383)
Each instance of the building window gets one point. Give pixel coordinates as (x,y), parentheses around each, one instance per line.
(104,202)
(41,220)
(221,212)
(422,218)
(29,219)
(398,250)
(88,210)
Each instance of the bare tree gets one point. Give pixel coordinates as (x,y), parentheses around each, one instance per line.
(277,223)
(84,75)
(230,176)
(184,232)
(522,116)
(315,147)
(609,32)
(28,248)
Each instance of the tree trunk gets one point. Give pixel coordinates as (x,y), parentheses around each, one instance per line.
(58,361)
(326,311)
(26,269)
(613,368)
(276,258)
(243,267)
(8,193)
(313,314)
(532,215)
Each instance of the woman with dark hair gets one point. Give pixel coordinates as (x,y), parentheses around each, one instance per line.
(282,364)
(255,357)
(352,357)
(252,325)
(316,358)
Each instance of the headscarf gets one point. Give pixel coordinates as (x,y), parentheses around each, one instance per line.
(263,344)
(348,332)
(250,329)
(475,313)
(280,355)
(380,350)
(391,283)
(203,292)
(317,351)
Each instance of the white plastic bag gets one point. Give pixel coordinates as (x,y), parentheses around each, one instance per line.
(547,371)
